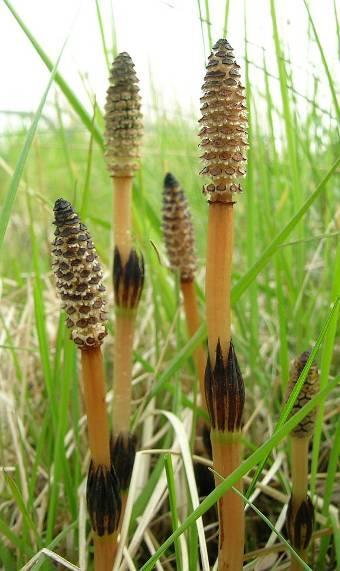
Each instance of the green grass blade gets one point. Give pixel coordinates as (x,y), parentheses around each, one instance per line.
(19,500)
(173,505)
(272,528)
(208,23)
(15,181)
(6,559)
(337,26)
(40,318)
(102,34)
(324,62)
(252,222)
(226,18)
(326,358)
(336,535)
(64,385)
(86,191)
(247,465)
(329,488)
(13,538)
(60,81)
(331,318)
(250,276)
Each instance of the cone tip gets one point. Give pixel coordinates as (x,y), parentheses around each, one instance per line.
(170,181)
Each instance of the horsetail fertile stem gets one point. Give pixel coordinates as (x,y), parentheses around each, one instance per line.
(79,282)
(224,142)
(300,514)
(128,283)
(180,246)
(123,133)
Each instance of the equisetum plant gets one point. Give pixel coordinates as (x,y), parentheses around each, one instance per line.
(180,246)
(300,514)
(224,143)
(123,133)
(79,283)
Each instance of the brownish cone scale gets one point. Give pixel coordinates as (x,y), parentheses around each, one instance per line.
(178,229)
(309,389)
(78,277)
(123,118)
(224,124)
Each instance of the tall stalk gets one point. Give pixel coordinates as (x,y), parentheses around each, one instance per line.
(300,514)
(224,142)
(123,133)
(79,282)
(180,246)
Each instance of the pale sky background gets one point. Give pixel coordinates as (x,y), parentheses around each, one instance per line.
(165,41)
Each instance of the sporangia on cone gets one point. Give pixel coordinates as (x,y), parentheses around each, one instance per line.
(309,389)
(178,229)
(123,118)
(78,277)
(224,124)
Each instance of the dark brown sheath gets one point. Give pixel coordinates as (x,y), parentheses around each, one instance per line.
(128,279)
(103,499)
(224,391)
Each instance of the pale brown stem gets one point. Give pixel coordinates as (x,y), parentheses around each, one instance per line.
(218,277)
(125,494)
(99,441)
(122,378)
(227,455)
(94,395)
(299,486)
(105,549)
(193,323)
(122,194)
(295,565)
(299,471)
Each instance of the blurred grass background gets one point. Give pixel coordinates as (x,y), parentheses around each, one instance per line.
(281,298)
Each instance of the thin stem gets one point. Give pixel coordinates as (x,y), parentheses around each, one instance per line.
(299,486)
(193,323)
(122,193)
(99,442)
(94,394)
(105,549)
(124,333)
(218,277)
(299,471)
(227,454)
(295,564)
(124,495)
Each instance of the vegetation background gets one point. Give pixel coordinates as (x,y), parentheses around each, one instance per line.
(285,299)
